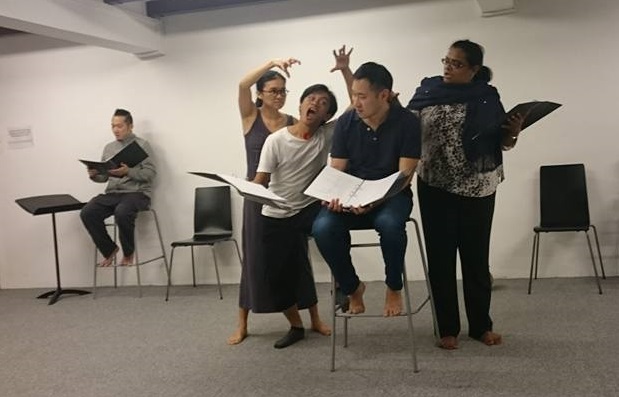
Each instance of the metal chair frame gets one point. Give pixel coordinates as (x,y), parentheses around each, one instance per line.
(337,311)
(137,263)
(564,207)
(212,225)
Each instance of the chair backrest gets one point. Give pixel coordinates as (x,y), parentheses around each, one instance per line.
(212,216)
(563,196)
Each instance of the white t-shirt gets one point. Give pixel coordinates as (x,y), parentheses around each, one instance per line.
(293,163)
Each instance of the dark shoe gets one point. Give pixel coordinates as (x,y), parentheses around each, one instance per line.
(341,300)
(293,336)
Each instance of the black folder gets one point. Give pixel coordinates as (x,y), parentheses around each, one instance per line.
(533,111)
(132,155)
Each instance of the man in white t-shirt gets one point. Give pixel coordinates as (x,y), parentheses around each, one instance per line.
(290,159)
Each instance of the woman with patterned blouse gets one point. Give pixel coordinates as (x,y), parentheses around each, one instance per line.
(464,131)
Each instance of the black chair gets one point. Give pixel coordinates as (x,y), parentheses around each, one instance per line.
(564,207)
(212,224)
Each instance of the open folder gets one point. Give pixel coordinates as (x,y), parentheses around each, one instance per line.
(533,111)
(352,191)
(131,155)
(250,190)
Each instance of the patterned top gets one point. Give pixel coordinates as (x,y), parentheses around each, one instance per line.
(443,164)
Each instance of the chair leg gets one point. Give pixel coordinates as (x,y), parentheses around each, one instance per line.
(533,250)
(165,259)
(94,282)
(115,268)
(333,323)
(409,318)
(193,267)
(595,270)
(216,271)
(426,273)
(539,243)
(597,243)
(238,253)
(137,271)
(167,291)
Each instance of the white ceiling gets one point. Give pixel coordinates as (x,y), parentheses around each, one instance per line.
(125,25)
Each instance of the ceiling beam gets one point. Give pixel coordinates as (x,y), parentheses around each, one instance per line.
(85,22)
(490,8)
(162,8)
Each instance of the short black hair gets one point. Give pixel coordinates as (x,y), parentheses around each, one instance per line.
(124,113)
(321,88)
(377,75)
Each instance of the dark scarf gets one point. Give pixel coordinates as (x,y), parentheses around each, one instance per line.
(482,135)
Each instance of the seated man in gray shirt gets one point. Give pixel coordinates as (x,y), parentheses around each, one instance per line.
(128,192)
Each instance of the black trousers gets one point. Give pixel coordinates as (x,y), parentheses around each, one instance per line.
(125,208)
(454,223)
(286,257)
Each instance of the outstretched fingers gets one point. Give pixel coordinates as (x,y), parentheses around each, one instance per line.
(285,64)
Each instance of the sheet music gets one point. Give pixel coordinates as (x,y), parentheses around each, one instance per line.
(351,191)
(333,184)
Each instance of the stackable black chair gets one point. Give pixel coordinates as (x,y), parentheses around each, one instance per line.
(564,207)
(212,222)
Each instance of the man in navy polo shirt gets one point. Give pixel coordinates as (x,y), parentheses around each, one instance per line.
(371,141)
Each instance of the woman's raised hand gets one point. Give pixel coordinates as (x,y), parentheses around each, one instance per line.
(342,58)
(285,64)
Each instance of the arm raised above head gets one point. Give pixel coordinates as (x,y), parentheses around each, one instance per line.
(342,63)
(247,107)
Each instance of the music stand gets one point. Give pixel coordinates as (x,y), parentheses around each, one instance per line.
(51,204)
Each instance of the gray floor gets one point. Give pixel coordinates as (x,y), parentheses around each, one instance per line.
(560,341)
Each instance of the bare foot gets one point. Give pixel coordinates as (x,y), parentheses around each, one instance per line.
(393,303)
(110,259)
(238,336)
(321,328)
(127,260)
(356,305)
(448,343)
(490,338)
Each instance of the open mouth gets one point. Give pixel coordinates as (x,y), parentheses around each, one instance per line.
(310,112)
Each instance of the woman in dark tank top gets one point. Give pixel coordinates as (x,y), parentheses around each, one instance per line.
(260,119)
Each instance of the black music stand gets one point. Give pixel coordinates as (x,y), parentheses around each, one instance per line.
(51,204)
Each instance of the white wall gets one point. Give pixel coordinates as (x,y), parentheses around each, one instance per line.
(185,104)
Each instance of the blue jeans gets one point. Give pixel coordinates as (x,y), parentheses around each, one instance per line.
(331,232)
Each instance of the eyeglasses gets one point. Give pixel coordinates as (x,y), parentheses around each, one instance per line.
(274,92)
(454,63)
